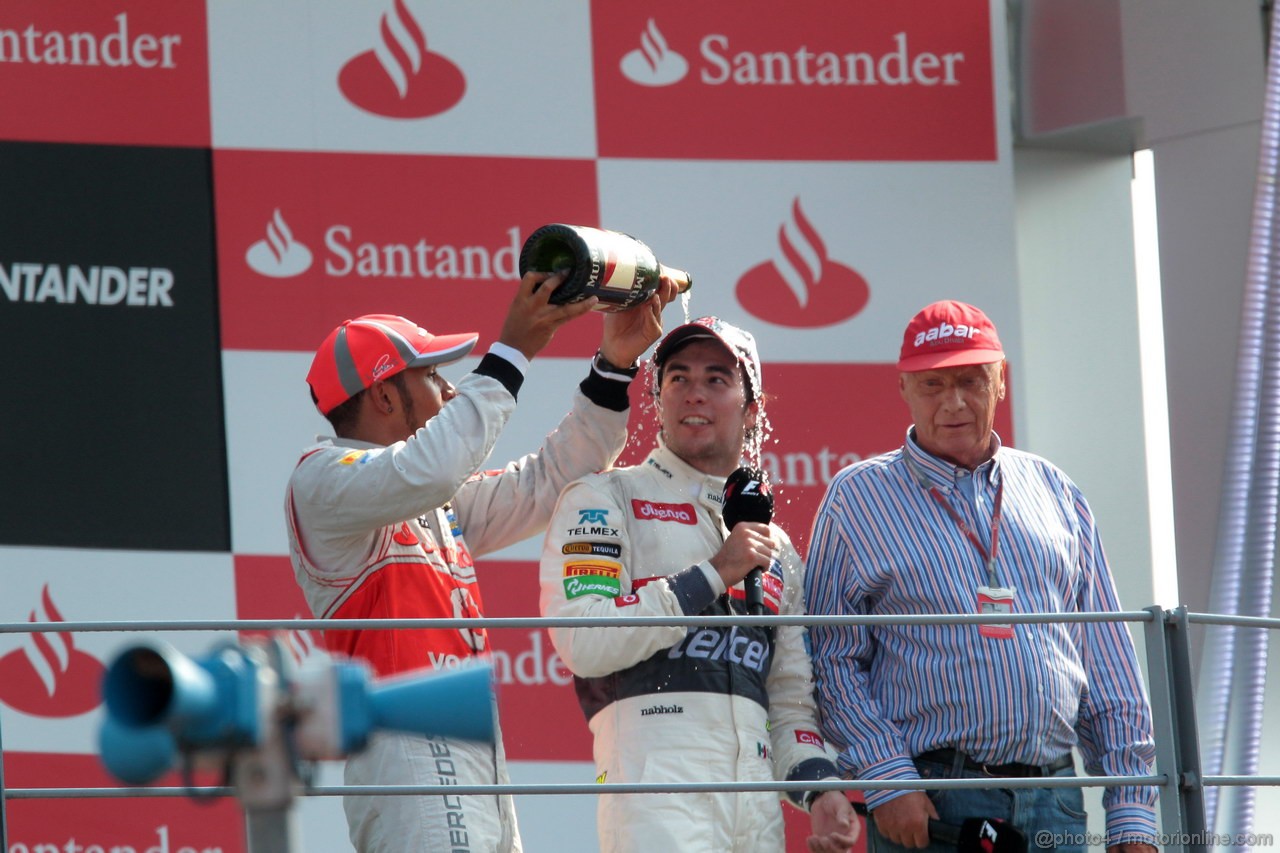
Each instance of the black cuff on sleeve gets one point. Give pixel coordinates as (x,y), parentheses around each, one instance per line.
(692,589)
(606,385)
(809,770)
(497,367)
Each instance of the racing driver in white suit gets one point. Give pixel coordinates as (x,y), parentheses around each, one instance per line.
(698,704)
(385,518)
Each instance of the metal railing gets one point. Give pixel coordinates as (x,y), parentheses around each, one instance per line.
(1178,777)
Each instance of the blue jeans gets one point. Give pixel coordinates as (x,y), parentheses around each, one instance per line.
(1029,810)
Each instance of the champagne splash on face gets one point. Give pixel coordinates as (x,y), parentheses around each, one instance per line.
(648,379)
(757,438)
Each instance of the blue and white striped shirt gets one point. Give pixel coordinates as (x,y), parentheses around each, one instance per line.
(882,545)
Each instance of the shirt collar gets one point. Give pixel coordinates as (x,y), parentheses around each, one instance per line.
(943,474)
(339,441)
(683,477)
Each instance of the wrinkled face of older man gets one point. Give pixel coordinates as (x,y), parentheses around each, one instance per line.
(954,409)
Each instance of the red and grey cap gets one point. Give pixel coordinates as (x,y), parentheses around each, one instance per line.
(949,334)
(738,341)
(376,347)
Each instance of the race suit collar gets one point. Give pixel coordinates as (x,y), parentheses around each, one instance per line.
(707,489)
(339,441)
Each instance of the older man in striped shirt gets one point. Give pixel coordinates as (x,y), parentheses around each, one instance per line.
(954,522)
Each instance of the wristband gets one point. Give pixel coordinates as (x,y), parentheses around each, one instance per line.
(607,368)
(606,384)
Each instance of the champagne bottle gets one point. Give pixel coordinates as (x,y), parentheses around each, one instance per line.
(617,268)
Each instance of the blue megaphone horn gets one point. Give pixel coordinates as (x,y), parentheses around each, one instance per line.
(160,702)
(213,701)
(454,703)
(136,756)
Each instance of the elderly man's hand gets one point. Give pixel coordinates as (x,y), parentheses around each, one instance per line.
(905,820)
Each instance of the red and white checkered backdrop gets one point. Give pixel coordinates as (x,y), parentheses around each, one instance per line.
(192,194)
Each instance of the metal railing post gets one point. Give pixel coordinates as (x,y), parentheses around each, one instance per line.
(272,830)
(1173,715)
(4,810)
(1164,725)
(1187,732)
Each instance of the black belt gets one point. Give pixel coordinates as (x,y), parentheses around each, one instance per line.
(957,758)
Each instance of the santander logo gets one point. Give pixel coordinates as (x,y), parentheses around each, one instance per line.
(278,255)
(801,287)
(116,49)
(399,77)
(404,535)
(654,63)
(346,252)
(48,676)
(892,61)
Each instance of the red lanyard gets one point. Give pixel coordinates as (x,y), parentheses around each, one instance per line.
(988,558)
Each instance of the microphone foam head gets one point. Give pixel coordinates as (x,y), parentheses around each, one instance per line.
(747,497)
(990,835)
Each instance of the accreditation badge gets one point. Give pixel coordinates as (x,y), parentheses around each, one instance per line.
(996,599)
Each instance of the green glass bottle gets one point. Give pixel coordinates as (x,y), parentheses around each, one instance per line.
(617,268)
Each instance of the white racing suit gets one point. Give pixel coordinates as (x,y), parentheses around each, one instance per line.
(670,704)
(389,532)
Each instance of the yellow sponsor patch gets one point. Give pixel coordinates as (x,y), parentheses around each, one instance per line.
(604,568)
(353,457)
(594,549)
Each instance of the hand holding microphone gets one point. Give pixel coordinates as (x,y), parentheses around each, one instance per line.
(747,497)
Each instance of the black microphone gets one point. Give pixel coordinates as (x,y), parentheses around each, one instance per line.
(974,835)
(747,497)
(979,835)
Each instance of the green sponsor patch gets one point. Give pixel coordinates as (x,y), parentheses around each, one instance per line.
(591,585)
